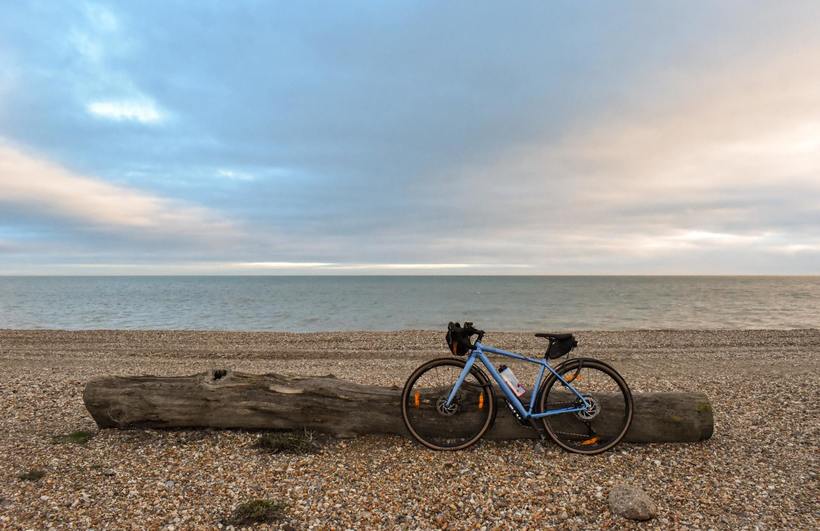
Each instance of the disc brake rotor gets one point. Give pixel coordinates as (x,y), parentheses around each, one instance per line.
(592,411)
(444,409)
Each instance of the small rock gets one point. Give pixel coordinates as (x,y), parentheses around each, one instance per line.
(631,502)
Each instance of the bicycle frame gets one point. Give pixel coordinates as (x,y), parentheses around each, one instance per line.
(478,353)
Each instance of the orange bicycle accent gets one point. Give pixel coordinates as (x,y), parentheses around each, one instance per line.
(481,401)
(590,441)
(417,399)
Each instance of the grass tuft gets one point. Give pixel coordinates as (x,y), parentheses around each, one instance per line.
(75,437)
(287,442)
(256,511)
(32,475)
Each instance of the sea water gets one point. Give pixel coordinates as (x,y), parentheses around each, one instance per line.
(319,303)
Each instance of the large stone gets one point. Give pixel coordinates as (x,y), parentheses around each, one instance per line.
(631,502)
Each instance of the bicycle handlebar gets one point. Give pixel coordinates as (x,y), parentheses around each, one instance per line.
(474,331)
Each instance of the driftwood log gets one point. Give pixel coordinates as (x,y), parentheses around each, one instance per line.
(226,399)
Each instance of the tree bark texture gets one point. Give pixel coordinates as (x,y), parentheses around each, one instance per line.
(235,400)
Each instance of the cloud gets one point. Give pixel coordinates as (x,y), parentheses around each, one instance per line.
(42,188)
(725,167)
(145,112)
(368,267)
(210,267)
(235,175)
(579,138)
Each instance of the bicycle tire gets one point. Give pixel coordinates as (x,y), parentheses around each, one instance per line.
(558,426)
(411,405)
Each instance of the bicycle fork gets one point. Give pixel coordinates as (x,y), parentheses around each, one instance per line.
(461,377)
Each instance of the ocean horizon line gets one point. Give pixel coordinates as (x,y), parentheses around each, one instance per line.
(409,275)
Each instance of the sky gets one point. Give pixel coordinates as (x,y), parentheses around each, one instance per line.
(162,137)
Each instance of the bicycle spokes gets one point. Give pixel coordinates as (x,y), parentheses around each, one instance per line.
(606,403)
(440,424)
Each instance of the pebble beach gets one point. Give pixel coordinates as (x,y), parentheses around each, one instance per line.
(758,471)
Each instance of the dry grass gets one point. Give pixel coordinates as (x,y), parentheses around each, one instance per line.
(287,442)
(256,511)
(32,475)
(75,437)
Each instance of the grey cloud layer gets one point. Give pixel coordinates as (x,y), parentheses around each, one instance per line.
(399,133)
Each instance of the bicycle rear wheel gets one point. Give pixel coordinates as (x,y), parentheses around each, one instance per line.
(597,428)
(436,425)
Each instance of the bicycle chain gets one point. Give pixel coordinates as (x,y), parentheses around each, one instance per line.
(569,404)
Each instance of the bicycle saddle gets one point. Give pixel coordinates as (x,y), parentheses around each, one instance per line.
(554,337)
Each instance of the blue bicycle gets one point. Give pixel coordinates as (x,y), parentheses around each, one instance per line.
(584,405)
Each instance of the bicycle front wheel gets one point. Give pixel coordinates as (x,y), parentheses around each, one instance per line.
(600,426)
(435,424)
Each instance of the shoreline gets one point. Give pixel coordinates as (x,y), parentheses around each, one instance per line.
(759,468)
(441,329)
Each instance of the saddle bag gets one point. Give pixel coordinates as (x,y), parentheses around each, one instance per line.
(561,347)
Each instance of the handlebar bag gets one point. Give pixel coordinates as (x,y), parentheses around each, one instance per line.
(458,339)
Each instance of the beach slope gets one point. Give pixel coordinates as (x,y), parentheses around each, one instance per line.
(759,467)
